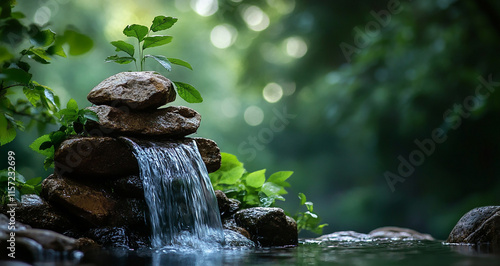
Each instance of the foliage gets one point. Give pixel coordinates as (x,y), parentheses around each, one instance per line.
(21,45)
(40,102)
(254,190)
(308,220)
(145,41)
(21,185)
(73,121)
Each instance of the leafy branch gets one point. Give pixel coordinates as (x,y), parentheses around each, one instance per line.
(254,190)
(145,41)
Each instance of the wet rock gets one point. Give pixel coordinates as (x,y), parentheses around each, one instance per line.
(49,239)
(89,157)
(480,225)
(268,226)
(38,213)
(119,237)
(110,236)
(173,122)
(227,206)
(210,153)
(235,239)
(94,156)
(136,90)
(129,187)
(86,244)
(392,232)
(31,244)
(230,224)
(93,206)
(382,233)
(82,201)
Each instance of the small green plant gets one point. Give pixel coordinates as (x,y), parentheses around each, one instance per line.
(21,185)
(254,190)
(308,220)
(73,121)
(144,41)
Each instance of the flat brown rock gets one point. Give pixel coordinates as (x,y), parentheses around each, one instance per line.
(173,122)
(78,199)
(109,157)
(135,90)
(94,156)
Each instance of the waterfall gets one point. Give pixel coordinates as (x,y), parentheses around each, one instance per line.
(182,206)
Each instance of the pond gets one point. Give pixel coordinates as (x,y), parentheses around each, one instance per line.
(311,252)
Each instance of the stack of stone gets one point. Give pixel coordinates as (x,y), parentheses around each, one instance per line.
(96,189)
(96,194)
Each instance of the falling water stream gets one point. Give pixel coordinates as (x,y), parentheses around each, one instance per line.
(183,210)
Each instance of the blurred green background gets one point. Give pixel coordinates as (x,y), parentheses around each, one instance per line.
(336,91)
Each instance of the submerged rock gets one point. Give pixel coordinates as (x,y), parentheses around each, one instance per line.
(392,232)
(89,157)
(172,122)
(268,226)
(480,225)
(136,90)
(382,233)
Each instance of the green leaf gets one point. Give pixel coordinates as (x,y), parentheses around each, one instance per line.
(38,142)
(18,75)
(89,114)
(119,59)
(78,43)
(34,181)
(43,38)
(230,172)
(32,95)
(309,206)
(56,138)
(180,62)
(302,198)
(188,92)
(72,105)
(271,189)
(162,60)
(46,145)
(155,41)
(7,130)
(48,162)
(124,46)
(136,31)
(280,177)
(56,50)
(162,23)
(256,179)
(50,97)
(5,55)
(40,53)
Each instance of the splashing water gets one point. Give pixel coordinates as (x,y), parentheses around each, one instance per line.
(183,210)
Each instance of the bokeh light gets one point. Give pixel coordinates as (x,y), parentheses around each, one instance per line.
(272,92)
(223,36)
(205,7)
(255,18)
(253,115)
